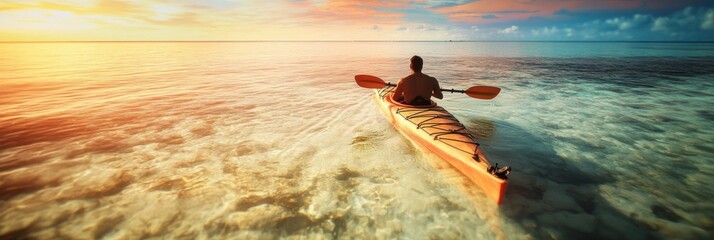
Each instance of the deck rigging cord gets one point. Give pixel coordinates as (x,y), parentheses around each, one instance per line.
(439,131)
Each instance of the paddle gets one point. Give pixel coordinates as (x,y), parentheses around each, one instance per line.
(480,92)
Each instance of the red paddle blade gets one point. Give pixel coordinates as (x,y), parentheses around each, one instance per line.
(483,92)
(369,81)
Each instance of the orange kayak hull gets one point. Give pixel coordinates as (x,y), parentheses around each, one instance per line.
(436,130)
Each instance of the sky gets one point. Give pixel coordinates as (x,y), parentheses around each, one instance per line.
(368,20)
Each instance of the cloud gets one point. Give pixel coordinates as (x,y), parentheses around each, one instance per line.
(688,19)
(660,24)
(422,27)
(43,19)
(108,13)
(689,23)
(569,32)
(636,22)
(552,32)
(368,19)
(345,11)
(561,11)
(445,3)
(472,12)
(509,30)
(489,16)
(225,13)
(545,31)
(426,27)
(624,23)
(708,23)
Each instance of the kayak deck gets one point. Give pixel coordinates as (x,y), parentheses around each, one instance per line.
(434,128)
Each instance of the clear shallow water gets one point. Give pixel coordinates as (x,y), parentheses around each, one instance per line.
(129,140)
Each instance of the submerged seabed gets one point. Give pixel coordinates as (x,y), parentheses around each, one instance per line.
(265,140)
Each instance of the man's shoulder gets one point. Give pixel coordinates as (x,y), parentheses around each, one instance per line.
(415,76)
(429,77)
(418,75)
(409,77)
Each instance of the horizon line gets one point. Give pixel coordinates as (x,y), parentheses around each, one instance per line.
(238,41)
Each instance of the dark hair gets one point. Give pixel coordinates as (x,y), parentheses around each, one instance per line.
(417,63)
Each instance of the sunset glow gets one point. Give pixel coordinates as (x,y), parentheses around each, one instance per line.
(108,20)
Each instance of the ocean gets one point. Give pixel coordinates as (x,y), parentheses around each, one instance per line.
(263,140)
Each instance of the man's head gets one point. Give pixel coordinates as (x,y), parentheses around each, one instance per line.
(417,63)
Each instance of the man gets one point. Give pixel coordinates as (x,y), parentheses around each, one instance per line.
(417,88)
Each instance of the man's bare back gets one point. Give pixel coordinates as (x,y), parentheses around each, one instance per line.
(417,88)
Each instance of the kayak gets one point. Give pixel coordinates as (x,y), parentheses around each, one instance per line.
(438,131)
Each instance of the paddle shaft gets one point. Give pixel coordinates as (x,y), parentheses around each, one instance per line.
(442,89)
(480,92)
(453,90)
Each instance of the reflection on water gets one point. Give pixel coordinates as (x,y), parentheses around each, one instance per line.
(265,140)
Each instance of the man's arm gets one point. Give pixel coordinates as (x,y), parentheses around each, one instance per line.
(437,90)
(398,91)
